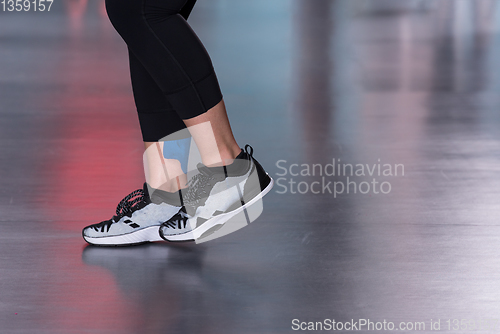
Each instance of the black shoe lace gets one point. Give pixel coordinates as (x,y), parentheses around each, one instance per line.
(132,202)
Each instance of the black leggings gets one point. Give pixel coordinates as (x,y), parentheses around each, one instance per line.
(172,75)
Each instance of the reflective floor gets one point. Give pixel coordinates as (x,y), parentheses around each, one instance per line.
(399,99)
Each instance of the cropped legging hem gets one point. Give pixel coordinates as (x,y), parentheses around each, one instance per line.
(172,75)
(160,125)
(192,101)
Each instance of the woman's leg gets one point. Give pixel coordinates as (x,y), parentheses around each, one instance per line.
(175,86)
(170,51)
(211,130)
(212,133)
(157,119)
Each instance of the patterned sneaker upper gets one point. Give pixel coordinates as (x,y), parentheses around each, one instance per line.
(216,190)
(212,182)
(178,224)
(136,211)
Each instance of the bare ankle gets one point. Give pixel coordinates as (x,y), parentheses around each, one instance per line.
(222,157)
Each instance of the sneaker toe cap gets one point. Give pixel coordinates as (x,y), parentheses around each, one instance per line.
(89,231)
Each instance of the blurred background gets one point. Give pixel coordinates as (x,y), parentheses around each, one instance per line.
(411,82)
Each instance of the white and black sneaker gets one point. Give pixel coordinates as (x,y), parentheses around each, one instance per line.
(219,200)
(138,217)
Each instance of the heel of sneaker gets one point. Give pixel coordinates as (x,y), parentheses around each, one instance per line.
(238,218)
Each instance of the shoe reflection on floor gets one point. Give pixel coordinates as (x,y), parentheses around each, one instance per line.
(173,288)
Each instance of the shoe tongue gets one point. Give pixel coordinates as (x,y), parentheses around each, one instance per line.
(147,196)
(146,190)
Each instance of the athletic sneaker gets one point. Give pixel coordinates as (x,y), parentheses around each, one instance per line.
(217,195)
(138,217)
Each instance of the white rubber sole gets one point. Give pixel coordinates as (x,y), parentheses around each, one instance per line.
(148,234)
(217,220)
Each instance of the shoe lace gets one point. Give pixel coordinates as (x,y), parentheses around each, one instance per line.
(133,201)
(199,186)
(130,203)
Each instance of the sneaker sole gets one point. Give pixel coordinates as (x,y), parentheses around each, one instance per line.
(217,220)
(145,235)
